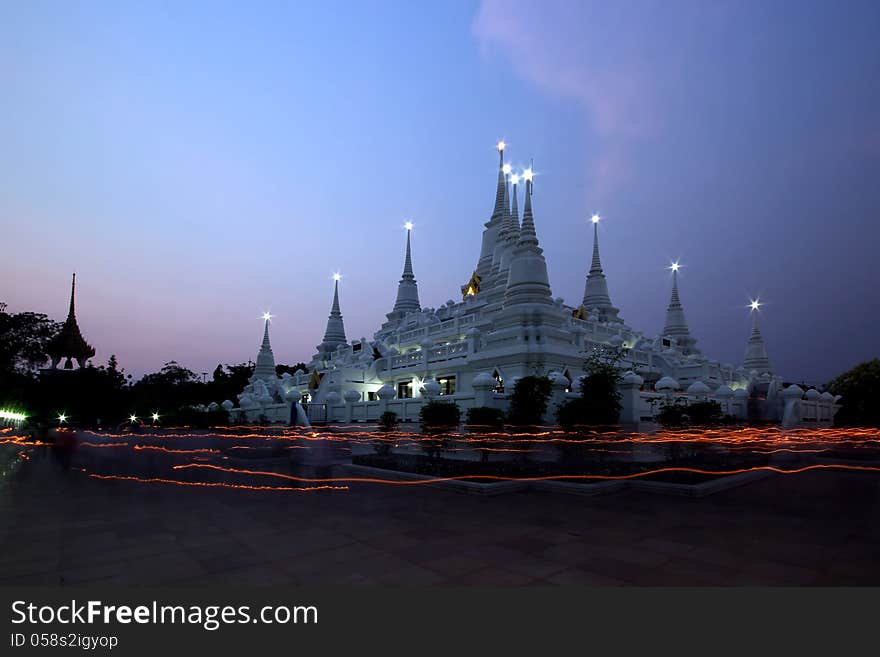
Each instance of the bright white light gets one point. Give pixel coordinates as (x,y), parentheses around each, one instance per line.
(754,304)
(11,415)
(267,317)
(514,179)
(528,174)
(408,225)
(132,417)
(595,218)
(155,417)
(506,169)
(337,276)
(62,418)
(675,266)
(500,146)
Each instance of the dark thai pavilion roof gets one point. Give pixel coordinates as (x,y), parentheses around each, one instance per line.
(69,343)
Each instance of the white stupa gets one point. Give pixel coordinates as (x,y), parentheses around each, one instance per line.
(507,325)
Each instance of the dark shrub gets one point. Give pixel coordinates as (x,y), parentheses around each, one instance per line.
(388,421)
(705,413)
(859,389)
(672,414)
(528,403)
(439,416)
(484,417)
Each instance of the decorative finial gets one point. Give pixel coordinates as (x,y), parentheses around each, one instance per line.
(408,225)
(267,316)
(528,174)
(132,417)
(62,418)
(155,417)
(754,304)
(674,266)
(595,218)
(500,145)
(514,179)
(506,169)
(337,276)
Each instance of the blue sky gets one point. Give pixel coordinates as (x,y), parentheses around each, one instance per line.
(199,164)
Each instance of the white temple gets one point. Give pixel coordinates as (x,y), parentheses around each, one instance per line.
(508,325)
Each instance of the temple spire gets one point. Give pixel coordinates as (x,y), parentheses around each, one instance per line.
(756,352)
(527,280)
(265,366)
(596,300)
(500,210)
(676,325)
(407,289)
(334,334)
(514,211)
(69,344)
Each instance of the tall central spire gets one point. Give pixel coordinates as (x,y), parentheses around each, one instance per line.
(676,325)
(407,289)
(493,227)
(756,353)
(597,301)
(265,367)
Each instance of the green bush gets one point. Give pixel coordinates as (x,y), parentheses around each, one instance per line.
(528,403)
(571,413)
(388,421)
(439,416)
(485,417)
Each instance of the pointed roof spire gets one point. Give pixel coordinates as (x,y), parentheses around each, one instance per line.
(756,352)
(265,366)
(514,212)
(334,334)
(499,212)
(69,343)
(407,289)
(596,264)
(527,280)
(596,290)
(676,325)
(527,233)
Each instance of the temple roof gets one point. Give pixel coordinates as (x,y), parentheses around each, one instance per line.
(69,343)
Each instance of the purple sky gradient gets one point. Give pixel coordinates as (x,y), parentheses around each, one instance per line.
(198,165)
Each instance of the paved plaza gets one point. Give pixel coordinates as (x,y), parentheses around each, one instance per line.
(60,527)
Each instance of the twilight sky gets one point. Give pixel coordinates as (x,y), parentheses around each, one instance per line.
(199,163)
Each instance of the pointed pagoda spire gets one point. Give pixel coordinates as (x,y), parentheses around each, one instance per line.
(527,280)
(676,325)
(69,343)
(492,228)
(265,367)
(407,289)
(596,297)
(596,264)
(513,232)
(527,233)
(500,210)
(334,334)
(756,352)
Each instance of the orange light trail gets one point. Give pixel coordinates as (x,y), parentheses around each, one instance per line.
(431,480)
(214,484)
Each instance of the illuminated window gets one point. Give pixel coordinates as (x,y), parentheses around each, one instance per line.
(404,390)
(447,385)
